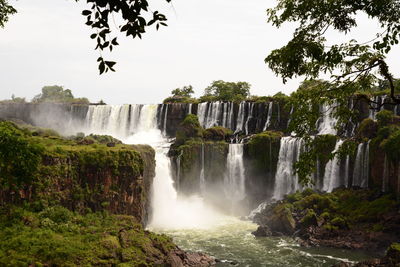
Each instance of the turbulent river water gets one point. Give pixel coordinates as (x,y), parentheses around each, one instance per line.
(194,225)
(232,242)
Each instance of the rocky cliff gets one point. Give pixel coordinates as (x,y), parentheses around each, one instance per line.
(87,175)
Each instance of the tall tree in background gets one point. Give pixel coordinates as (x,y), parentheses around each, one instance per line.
(185,91)
(227,91)
(354,66)
(58,94)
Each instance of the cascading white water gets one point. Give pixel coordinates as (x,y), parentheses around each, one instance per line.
(202,112)
(327,122)
(240,117)
(361,166)
(178,171)
(168,210)
(212,114)
(347,171)
(202,177)
(249,117)
(108,119)
(165,120)
(190,108)
(332,171)
(269,115)
(234,182)
(285,180)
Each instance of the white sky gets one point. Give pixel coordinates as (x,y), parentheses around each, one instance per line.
(47,43)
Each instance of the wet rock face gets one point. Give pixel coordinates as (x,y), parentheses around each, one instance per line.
(275,220)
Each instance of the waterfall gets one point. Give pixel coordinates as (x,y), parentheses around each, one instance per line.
(327,122)
(249,117)
(285,180)
(269,115)
(346,171)
(165,120)
(202,178)
(168,210)
(361,166)
(332,171)
(202,112)
(240,117)
(231,116)
(234,181)
(178,171)
(108,119)
(190,108)
(290,116)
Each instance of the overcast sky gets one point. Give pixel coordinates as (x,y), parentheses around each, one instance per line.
(47,43)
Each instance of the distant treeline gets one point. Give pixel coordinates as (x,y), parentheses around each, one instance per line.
(53,94)
(240,91)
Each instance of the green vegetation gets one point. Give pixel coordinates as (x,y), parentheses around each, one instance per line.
(385,117)
(264,149)
(43,163)
(57,196)
(217,133)
(367,129)
(226,91)
(181,95)
(57,94)
(358,69)
(189,128)
(342,209)
(19,158)
(56,236)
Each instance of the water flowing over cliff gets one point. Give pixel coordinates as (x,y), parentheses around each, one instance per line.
(137,124)
(266,174)
(285,180)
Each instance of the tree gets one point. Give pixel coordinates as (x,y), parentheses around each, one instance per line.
(5,11)
(185,91)
(228,91)
(354,67)
(134,22)
(57,94)
(19,159)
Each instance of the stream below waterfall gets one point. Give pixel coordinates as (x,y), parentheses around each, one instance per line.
(231,242)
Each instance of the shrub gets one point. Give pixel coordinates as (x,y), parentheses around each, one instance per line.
(391,146)
(217,133)
(189,128)
(19,159)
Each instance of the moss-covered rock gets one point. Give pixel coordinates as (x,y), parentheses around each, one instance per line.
(217,133)
(189,128)
(344,218)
